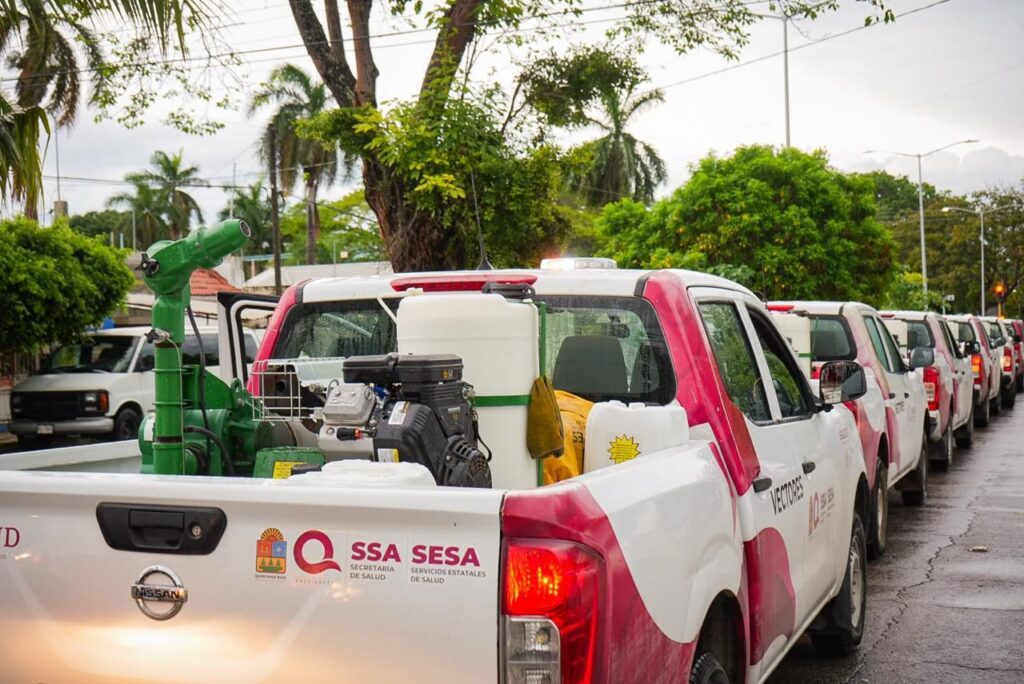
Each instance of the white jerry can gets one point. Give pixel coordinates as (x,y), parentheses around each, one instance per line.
(617,433)
(797,331)
(498,341)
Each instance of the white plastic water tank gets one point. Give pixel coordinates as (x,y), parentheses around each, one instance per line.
(366,474)
(497,340)
(617,433)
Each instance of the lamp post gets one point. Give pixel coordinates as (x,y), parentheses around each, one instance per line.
(981,210)
(920,196)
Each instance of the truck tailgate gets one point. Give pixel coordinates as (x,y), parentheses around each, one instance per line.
(307,583)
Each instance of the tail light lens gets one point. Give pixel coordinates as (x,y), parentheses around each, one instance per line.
(551,592)
(976,368)
(1007,359)
(931,387)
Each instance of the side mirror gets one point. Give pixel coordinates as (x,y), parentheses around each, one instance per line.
(999,342)
(972,347)
(921,357)
(841,381)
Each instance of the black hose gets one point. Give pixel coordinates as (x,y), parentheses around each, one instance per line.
(202,375)
(225,456)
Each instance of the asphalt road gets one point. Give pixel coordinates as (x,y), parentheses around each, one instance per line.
(939,612)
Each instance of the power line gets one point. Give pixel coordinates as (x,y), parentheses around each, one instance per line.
(740,65)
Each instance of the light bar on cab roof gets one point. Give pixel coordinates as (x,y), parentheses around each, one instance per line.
(577,264)
(780,308)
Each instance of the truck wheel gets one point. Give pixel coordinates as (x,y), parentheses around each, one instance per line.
(965,435)
(982,419)
(707,670)
(1020,384)
(32,442)
(942,452)
(918,480)
(126,424)
(996,405)
(844,615)
(880,516)
(1008,397)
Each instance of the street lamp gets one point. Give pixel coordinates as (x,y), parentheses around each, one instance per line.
(784,18)
(920,196)
(981,210)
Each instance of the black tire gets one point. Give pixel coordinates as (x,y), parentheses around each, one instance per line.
(878,536)
(33,442)
(942,451)
(965,435)
(917,481)
(844,615)
(985,417)
(1008,397)
(707,670)
(126,425)
(1020,383)
(996,404)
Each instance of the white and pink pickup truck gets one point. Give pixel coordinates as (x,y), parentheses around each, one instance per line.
(719,515)
(892,416)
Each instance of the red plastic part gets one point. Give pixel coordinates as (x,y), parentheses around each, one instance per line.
(781,308)
(463,282)
(266,350)
(560,581)
(931,387)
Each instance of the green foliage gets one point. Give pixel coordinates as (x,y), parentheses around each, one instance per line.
(896,196)
(100,223)
(347,226)
(907,294)
(798,228)
(21,174)
(440,160)
(54,283)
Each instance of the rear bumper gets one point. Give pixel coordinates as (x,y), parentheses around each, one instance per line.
(80,426)
(934,426)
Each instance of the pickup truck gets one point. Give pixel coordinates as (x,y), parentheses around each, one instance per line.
(973,337)
(697,554)
(1017,326)
(892,418)
(1002,337)
(948,382)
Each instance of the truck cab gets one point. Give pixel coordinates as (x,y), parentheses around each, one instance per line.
(948,381)
(973,338)
(716,518)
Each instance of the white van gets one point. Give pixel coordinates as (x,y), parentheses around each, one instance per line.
(100,386)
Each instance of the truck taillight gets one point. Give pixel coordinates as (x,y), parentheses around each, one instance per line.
(931,387)
(976,368)
(550,606)
(1007,359)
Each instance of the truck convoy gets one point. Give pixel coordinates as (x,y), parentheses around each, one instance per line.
(514,476)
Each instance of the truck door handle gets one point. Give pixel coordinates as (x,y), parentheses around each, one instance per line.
(892,395)
(184,530)
(808,467)
(906,395)
(761,484)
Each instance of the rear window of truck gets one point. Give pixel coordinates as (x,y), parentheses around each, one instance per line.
(600,348)
(831,339)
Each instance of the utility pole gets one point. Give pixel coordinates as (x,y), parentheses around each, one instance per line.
(920,213)
(785,68)
(274,218)
(135,247)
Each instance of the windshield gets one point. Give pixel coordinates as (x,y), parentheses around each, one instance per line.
(599,348)
(100,354)
(994,331)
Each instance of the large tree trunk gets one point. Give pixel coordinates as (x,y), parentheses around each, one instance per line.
(415,242)
(312,221)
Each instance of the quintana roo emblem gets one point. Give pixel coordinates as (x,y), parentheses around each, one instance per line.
(271,553)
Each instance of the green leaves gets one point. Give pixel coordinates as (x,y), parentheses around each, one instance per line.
(782,222)
(54,283)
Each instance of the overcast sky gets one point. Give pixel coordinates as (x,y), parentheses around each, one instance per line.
(951,71)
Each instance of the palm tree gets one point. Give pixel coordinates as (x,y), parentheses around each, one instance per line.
(169,174)
(252,206)
(149,205)
(620,165)
(38,38)
(296,97)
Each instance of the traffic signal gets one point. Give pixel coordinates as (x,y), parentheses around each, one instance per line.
(1000,291)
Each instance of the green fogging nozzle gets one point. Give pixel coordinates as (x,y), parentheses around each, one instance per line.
(168,265)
